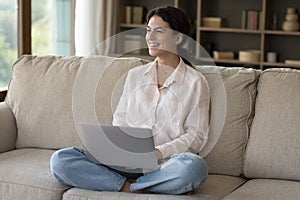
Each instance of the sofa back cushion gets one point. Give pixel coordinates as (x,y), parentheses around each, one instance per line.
(233,93)
(51,95)
(46,95)
(273,148)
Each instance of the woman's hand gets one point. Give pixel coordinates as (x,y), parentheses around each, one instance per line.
(158,154)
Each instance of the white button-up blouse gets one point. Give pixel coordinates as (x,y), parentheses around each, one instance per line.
(177,112)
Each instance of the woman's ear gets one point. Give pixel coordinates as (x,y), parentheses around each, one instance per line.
(179,38)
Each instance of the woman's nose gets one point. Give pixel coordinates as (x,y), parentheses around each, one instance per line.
(150,35)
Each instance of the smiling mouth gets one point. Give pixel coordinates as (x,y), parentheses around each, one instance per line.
(153,45)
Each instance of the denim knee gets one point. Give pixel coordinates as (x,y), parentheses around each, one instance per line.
(194,169)
(180,174)
(59,161)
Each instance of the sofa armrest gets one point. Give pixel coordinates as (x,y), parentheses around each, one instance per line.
(8,128)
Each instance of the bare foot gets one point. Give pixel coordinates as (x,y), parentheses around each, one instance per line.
(126,187)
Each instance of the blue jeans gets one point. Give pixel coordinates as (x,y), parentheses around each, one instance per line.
(180,174)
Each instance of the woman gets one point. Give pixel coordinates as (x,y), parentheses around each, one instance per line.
(170,97)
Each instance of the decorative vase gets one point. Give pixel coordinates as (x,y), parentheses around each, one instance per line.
(291,22)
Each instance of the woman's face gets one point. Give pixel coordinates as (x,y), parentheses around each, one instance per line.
(160,37)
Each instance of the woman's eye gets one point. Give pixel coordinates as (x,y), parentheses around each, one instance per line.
(148,30)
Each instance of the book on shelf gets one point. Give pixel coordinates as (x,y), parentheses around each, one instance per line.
(260,20)
(244,19)
(251,19)
(134,14)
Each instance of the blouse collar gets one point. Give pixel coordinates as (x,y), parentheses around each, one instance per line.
(177,75)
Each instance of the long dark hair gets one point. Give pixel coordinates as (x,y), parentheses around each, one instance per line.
(179,22)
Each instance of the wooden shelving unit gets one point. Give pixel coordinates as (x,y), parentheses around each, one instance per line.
(230,36)
(284,43)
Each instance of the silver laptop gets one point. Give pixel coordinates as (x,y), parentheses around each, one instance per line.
(123,148)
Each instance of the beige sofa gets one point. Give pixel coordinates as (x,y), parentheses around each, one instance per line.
(253,151)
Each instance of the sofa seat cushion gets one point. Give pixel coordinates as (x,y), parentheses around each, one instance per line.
(220,186)
(25,174)
(81,194)
(273,147)
(216,187)
(264,189)
(233,93)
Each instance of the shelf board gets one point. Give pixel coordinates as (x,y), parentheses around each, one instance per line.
(233,61)
(239,30)
(280,32)
(230,30)
(236,61)
(132,25)
(280,64)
